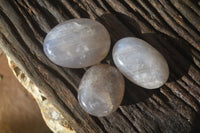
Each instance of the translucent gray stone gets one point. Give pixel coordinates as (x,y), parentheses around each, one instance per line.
(140,63)
(77,43)
(101,90)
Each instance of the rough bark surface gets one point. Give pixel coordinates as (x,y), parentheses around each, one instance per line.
(171,26)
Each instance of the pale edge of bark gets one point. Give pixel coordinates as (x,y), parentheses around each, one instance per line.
(50,109)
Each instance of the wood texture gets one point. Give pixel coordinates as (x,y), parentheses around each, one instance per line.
(171,26)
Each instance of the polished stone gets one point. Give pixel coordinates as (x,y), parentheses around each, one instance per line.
(101,90)
(77,43)
(140,63)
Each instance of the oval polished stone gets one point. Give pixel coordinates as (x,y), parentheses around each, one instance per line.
(140,63)
(101,90)
(77,43)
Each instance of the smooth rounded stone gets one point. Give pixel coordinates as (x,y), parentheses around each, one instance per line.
(140,63)
(101,90)
(77,43)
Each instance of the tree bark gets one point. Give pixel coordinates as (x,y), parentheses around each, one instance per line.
(171,26)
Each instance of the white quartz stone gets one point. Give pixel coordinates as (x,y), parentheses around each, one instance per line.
(140,63)
(77,43)
(101,90)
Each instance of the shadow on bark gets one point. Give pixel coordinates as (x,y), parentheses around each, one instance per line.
(176,52)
